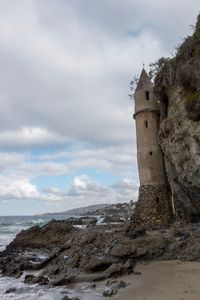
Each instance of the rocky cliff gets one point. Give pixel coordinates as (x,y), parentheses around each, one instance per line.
(177,85)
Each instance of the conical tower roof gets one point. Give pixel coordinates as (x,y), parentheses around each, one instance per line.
(144,80)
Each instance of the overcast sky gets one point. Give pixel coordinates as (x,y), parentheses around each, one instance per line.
(67,137)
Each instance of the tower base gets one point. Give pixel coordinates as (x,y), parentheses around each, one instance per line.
(153,208)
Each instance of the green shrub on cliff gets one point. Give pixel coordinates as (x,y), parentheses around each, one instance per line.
(182,70)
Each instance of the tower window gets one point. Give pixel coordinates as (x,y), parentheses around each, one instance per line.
(157,200)
(147,95)
(146,124)
(150,153)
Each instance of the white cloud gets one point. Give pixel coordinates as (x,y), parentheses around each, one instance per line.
(65,69)
(26,136)
(21,188)
(122,191)
(13,163)
(119,161)
(17,188)
(10,161)
(82,190)
(64,78)
(48,80)
(83,186)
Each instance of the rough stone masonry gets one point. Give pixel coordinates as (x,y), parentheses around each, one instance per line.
(154,206)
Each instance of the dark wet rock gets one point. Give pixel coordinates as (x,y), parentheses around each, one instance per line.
(83,221)
(63,280)
(11,290)
(123,250)
(110,292)
(91,277)
(96,264)
(91,286)
(94,253)
(116,284)
(121,285)
(111,282)
(66,298)
(119,269)
(69,298)
(29,279)
(113,219)
(12,270)
(32,279)
(134,233)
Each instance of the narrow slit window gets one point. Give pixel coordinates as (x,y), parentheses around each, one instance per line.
(157,200)
(147,95)
(146,124)
(150,153)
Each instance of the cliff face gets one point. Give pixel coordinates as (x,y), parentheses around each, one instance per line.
(180,141)
(177,84)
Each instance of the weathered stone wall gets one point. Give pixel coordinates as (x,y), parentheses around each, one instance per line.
(141,103)
(153,207)
(149,155)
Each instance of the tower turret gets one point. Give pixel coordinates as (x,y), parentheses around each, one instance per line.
(153,207)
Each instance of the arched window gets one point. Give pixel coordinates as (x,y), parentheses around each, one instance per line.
(146,124)
(147,95)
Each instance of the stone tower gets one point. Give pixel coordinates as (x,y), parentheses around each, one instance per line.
(154,203)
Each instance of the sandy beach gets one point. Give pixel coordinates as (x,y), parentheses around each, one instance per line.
(168,280)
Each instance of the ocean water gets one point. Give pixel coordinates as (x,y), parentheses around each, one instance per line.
(9,227)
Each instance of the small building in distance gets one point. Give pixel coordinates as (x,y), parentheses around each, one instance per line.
(154,206)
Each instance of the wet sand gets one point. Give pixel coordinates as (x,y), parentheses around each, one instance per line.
(168,280)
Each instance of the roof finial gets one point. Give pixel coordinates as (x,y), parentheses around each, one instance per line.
(143,65)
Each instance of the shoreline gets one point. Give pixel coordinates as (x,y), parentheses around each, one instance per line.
(159,280)
(86,263)
(174,280)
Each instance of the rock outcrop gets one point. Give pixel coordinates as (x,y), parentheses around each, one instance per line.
(177,85)
(63,255)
